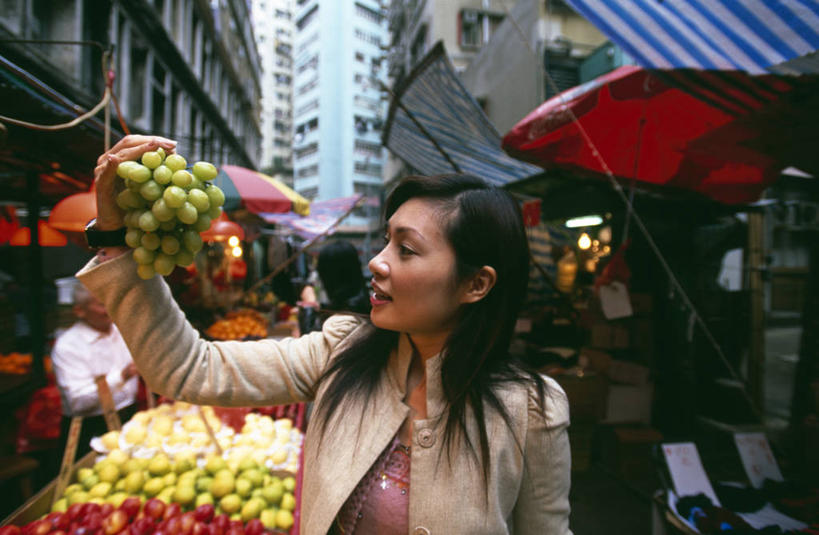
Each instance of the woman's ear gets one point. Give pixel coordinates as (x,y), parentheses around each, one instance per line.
(479,285)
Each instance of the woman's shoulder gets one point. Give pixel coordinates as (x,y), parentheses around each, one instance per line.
(340,327)
(550,403)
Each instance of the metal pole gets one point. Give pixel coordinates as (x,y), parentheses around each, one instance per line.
(756,352)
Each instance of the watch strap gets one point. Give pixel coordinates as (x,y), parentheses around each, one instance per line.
(97,238)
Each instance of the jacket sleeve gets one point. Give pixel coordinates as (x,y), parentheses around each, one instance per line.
(176,362)
(542,507)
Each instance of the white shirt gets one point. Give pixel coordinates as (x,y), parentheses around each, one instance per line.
(82,353)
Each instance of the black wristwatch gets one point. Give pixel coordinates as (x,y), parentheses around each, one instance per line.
(97,238)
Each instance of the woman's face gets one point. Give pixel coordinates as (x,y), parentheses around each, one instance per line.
(414,289)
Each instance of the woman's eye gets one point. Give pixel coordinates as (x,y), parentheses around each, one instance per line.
(406,250)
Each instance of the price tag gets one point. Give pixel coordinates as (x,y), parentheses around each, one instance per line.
(757,458)
(687,472)
(109,410)
(614,301)
(68,456)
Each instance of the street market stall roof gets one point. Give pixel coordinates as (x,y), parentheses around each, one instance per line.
(436,126)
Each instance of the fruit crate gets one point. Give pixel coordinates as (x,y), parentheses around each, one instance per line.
(40,504)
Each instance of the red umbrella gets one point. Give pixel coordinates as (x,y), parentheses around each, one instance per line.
(655,133)
(257,192)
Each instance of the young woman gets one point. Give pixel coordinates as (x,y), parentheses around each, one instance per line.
(423,423)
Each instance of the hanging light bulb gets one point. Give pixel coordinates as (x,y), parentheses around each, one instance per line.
(584,242)
(233,241)
(237,252)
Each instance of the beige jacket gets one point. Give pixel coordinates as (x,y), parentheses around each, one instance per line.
(528,490)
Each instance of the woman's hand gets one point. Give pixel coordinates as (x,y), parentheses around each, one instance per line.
(109,215)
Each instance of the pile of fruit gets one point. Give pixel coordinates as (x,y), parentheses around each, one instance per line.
(15,363)
(239,324)
(166,208)
(178,431)
(132,517)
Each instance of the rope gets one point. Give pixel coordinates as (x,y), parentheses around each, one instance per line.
(638,221)
(106,97)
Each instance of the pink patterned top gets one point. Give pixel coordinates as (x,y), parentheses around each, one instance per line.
(379,504)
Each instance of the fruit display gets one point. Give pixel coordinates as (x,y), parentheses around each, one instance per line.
(166,207)
(134,517)
(165,455)
(177,430)
(15,363)
(239,324)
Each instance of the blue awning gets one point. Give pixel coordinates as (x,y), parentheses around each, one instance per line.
(435,126)
(755,36)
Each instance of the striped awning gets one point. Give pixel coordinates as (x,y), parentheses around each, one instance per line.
(755,36)
(435,126)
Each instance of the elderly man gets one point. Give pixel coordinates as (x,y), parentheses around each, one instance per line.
(90,348)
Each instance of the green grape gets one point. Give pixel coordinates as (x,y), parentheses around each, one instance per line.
(148,221)
(162,212)
(127,199)
(145,271)
(187,213)
(202,224)
(199,199)
(151,159)
(150,191)
(184,258)
(169,245)
(150,240)
(163,174)
(205,171)
(216,195)
(139,173)
(124,168)
(133,237)
(168,225)
(161,153)
(144,256)
(132,218)
(164,264)
(196,184)
(214,212)
(133,186)
(174,196)
(176,162)
(182,179)
(192,240)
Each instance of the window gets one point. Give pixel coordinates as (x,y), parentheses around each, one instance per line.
(304,88)
(307,42)
(305,151)
(359,57)
(310,64)
(471,29)
(368,37)
(366,13)
(367,168)
(281,14)
(309,193)
(312,104)
(308,17)
(366,102)
(310,170)
(367,148)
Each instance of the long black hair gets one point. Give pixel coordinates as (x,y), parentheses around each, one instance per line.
(485,227)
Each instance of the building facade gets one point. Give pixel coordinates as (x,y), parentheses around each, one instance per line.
(338,109)
(274,30)
(186,69)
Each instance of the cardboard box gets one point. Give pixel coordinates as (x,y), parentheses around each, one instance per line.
(630,373)
(595,360)
(629,403)
(587,396)
(641,304)
(605,335)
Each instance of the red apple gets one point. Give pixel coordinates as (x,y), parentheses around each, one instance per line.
(10,530)
(74,511)
(106,509)
(187,521)
(130,506)
(154,508)
(38,527)
(221,523)
(237,524)
(172,510)
(115,522)
(235,531)
(88,508)
(58,532)
(204,513)
(174,525)
(59,521)
(93,521)
(254,526)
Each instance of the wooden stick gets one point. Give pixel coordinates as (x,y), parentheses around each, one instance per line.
(68,457)
(209,429)
(109,410)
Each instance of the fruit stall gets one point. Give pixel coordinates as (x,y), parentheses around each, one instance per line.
(178,468)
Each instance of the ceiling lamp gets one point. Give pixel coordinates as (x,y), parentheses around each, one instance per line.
(223,229)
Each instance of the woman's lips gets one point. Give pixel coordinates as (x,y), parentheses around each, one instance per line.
(378,297)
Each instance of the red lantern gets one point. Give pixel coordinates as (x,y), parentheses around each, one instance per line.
(47,236)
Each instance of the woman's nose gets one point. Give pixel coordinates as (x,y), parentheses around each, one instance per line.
(378,267)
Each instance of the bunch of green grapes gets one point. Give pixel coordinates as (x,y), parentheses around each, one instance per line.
(166,207)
